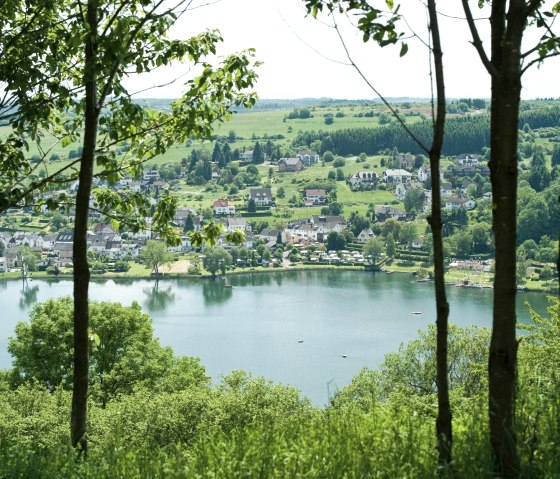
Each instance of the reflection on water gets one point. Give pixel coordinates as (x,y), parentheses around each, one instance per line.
(28,295)
(215,291)
(158,299)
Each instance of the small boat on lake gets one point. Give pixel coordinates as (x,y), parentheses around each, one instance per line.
(344,355)
(416,312)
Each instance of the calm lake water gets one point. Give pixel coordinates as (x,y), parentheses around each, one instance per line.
(257,324)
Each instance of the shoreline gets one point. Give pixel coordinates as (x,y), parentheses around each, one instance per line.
(260,270)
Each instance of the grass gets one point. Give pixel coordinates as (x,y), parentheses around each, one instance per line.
(381,442)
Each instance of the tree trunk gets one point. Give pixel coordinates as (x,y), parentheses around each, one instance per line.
(444,419)
(506,90)
(81,267)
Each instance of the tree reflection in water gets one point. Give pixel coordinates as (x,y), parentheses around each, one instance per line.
(157,299)
(215,291)
(28,295)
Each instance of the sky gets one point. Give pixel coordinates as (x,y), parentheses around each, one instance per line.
(305,58)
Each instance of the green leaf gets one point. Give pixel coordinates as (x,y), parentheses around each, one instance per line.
(404,49)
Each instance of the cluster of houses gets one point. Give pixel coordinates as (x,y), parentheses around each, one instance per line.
(56,249)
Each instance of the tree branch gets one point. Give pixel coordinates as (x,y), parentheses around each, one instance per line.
(477,42)
(381,97)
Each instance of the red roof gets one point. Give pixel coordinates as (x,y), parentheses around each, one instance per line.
(221,204)
(316,192)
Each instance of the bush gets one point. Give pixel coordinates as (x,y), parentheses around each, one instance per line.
(339,162)
(122,266)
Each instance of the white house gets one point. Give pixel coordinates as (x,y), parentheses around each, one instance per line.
(402,188)
(455,203)
(363,178)
(240,224)
(222,207)
(424,173)
(364,236)
(150,175)
(468,159)
(315,197)
(397,176)
(247,155)
(309,157)
(262,196)
(3,266)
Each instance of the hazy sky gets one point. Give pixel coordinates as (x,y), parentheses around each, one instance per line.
(303,57)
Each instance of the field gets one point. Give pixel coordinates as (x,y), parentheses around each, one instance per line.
(242,131)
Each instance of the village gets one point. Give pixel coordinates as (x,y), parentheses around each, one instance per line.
(51,248)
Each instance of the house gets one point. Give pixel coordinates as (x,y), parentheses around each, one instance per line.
(222,207)
(301,231)
(270,235)
(124,182)
(394,176)
(309,157)
(455,203)
(290,164)
(402,188)
(5,237)
(364,236)
(48,241)
(104,229)
(384,212)
(181,214)
(468,170)
(325,224)
(315,197)
(131,248)
(363,178)
(404,160)
(113,248)
(468,159)
(65,237)
(417,243)
(96,243)
(247,155)
(424,173)
(158,184)
(11,254)
(26,238)
(446,189)
(135,186)
(262,196)
(3,265)
(64,251)
(330,221)
(239,224)
(150,175)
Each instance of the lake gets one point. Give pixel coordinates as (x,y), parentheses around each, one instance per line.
(257,325)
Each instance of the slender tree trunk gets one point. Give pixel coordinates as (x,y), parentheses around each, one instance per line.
(444,418)
(506,91)
(81,267)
